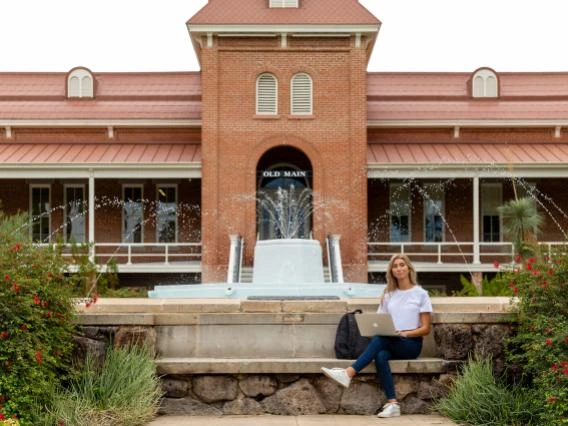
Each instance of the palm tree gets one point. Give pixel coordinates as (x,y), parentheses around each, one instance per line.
(521,222)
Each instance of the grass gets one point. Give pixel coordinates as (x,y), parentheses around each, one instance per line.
(123,391)
(477,398)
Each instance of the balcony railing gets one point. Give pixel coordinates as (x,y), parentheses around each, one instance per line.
(444,253)
(142,256)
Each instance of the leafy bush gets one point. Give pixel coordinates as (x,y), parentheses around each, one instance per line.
(36,320)
(489,287)
(539,349)
(124,390)
(477,398)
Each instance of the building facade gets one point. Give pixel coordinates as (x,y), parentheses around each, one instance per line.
(157,170)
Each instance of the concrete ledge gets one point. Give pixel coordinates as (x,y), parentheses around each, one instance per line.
(287,365)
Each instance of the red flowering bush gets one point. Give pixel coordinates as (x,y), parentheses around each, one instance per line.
(36,321)
(540,347)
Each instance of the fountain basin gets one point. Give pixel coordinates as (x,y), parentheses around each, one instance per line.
(271,290)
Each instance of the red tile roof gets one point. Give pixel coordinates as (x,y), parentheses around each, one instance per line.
(467,153)
(99,153)
(310,12)
(169,96)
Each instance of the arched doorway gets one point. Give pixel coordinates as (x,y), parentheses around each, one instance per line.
(284,194)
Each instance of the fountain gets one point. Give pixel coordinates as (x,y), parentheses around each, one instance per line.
(284,268)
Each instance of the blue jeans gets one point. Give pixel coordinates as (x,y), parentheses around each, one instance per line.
(382,349)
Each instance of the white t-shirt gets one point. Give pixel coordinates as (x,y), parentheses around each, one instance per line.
(405,307)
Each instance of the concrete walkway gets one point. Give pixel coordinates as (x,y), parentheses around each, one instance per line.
(319,420)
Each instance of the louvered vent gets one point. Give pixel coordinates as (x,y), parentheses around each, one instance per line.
(301,94)
(283,3)
(266,99)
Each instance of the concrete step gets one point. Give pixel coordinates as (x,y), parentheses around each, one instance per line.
(246,274)
(197,365)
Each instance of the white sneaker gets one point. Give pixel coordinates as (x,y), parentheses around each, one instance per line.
(390,409)
(337,374)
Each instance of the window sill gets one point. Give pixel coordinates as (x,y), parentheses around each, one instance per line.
(301,117)
(266,117)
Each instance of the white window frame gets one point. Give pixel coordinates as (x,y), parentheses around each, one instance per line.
(484,186)
(84,81)
(39,186)
(82,187)
(294,95)
(480,84)
(283,3)
(439,190)
(258,90)
(392,189)
(122,229)
(158,187)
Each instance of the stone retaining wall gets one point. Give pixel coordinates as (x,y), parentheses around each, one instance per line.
(461,327)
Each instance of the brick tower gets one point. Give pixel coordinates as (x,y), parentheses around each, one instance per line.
(283,88)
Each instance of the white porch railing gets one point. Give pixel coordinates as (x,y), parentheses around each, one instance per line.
(133,255)
(443,252)
(454,252)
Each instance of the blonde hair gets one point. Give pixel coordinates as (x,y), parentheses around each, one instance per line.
(392,282)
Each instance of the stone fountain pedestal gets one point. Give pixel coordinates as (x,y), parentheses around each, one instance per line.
(288,261)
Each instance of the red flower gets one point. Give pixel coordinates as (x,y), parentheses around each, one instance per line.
(60,423)
(88,305)
(565,371)
(566,339)
(518,258)
(16,288)
(536,272)
(554,367)
(496,264)
(550,271)
(37,300)
(551,399)
(24,328)
(549,342)
(2,416)
(529,266)
(45,303)
(4,335)
(16,247)
(564,364)
(6,277)
(38,357)
(515,290)
(49,314)
(95,297)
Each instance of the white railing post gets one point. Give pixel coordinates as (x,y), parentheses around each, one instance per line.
(92,216)
(167,254)
(439,254)
(129,258)
(476,253)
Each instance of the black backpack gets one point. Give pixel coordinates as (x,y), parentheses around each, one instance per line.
(349,343)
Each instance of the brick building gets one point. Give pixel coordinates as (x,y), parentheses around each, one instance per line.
(157,170)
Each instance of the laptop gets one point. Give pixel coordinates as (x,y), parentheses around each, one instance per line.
(375,324)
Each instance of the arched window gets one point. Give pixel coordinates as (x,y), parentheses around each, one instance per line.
(266,94)
(80,84)
(301,94)
(484,84)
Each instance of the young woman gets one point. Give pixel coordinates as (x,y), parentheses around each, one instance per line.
(410,308)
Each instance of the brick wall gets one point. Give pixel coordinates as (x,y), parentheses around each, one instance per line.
(235,139)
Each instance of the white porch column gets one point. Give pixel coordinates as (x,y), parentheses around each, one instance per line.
(91,216)
(476,256)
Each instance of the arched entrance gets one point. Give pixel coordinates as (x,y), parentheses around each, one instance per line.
(284,194)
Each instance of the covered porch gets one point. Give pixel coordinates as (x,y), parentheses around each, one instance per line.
(438,203)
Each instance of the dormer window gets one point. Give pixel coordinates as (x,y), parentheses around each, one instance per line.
(80,84)
(283,3)
(484,84)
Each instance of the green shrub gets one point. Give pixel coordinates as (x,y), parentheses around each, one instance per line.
(36,320)
(124,390)
(539,349)
(477,398)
